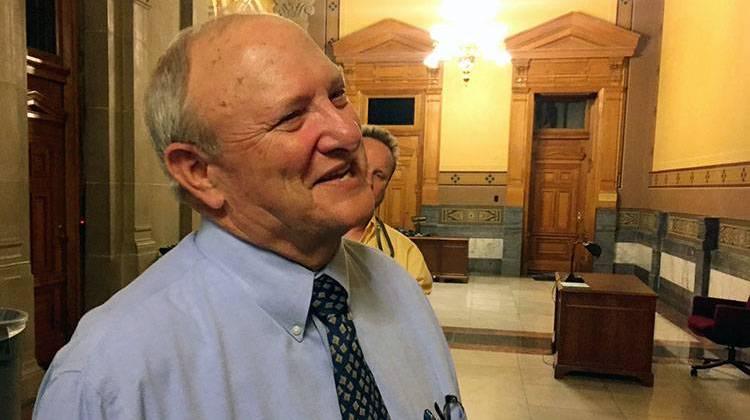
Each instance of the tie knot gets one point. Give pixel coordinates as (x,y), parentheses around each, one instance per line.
(328,298)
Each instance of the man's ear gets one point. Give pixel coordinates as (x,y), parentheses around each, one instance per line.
(188,165)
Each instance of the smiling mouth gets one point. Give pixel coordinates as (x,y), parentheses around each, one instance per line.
(341,174)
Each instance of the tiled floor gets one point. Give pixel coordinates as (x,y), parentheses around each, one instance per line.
(499,330)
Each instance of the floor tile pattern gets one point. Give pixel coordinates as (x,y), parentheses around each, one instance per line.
(499,330)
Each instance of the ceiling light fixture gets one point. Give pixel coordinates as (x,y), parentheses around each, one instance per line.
(469,31)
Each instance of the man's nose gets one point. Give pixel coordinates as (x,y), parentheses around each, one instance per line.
(340,130)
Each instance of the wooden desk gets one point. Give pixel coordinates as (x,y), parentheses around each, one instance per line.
(447,258)
(607,327)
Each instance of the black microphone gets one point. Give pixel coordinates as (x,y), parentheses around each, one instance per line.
(592,248)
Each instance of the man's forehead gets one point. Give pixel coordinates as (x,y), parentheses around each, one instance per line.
(254,55)
(225,39)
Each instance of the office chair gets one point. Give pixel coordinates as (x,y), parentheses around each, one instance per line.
(725,322)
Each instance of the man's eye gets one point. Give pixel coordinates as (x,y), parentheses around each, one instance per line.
(290,117)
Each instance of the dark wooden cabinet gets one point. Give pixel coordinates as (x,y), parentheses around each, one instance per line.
(607,327)
(447,258)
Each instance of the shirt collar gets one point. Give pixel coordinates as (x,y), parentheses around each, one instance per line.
(282,288)
(369,232)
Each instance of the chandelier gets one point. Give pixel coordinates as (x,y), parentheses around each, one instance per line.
(469,31)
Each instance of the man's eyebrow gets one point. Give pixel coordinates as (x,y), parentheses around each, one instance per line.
(291,103)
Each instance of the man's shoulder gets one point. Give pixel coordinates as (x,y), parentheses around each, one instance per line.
(397,233)
(136,307)
(363,255)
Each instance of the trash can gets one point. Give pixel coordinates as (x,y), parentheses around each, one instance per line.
(12,323)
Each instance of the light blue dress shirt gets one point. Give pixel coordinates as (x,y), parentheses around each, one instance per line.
(219,329)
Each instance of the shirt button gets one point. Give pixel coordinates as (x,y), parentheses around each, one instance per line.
(296,330)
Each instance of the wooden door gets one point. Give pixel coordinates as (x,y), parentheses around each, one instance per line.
(558,200)
(53,173)
(401,201)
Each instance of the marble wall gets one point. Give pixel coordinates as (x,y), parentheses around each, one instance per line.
(727,286)
(482,225)
(678,271)
(681,256)
(633,253)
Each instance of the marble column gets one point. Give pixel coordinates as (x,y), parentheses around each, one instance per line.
(16,280)
(110,260)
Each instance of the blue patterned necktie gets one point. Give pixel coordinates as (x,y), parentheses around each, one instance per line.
(358,394)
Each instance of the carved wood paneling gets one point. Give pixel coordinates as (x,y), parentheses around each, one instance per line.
(580,55)
(40,106)
(386,41)
(431,147)
(400,202)
(385,60)
(54,183)
(573,35)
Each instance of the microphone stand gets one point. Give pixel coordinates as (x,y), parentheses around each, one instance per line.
(571,278)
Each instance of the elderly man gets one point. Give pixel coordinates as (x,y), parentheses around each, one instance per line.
(264,313)
(381,149)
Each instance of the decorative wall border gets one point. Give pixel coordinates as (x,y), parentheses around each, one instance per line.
(733,253)
(629,219)
(333,10)
(472,178)
(734,235)
(465,216)
(724,175)
(684,227)
(464,221)
(642,220)
(649,222)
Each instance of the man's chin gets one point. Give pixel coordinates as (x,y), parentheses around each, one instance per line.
(358,215)
(348,211)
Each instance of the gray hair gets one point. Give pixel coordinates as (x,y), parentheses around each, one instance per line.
(169,116)
(384,136)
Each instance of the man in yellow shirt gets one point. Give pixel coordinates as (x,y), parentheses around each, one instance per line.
(381,149)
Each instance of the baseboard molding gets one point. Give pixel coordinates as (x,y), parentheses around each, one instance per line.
(492,266)
(677,297)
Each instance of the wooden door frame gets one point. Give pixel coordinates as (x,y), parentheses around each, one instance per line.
(588,192)
(65,66)
(572,54)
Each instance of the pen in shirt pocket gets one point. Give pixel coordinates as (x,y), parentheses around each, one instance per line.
(452,410)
